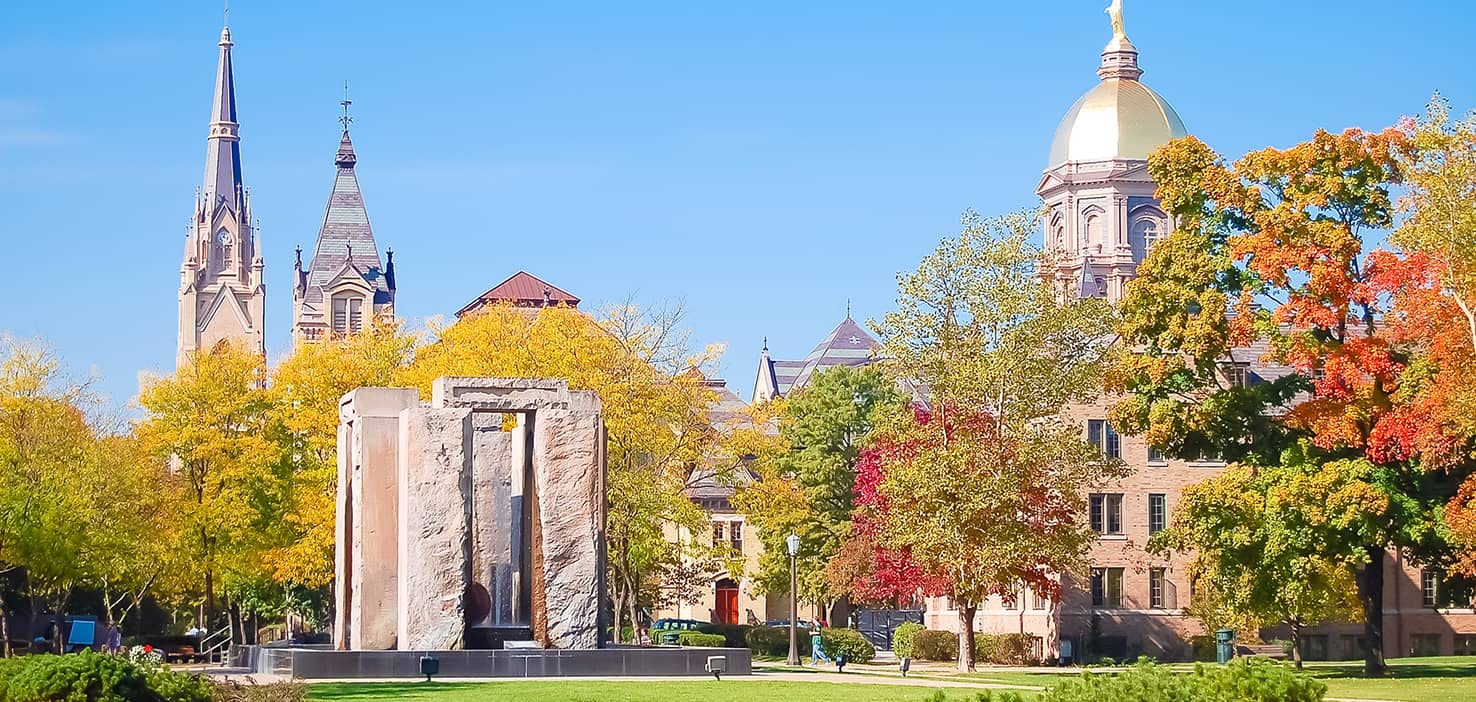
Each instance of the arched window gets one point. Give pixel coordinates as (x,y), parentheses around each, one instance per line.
(1146,228)
(1147,231)
(1094,234)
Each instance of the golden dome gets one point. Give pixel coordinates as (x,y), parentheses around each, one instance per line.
(1118,119)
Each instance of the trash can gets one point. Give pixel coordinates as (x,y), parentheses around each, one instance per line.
(1224,645)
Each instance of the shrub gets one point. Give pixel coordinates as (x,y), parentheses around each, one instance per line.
(734,635)
(933,645)
(232,691)
(697,638)
(981,696)
(1243,680)
(849,643)
(1005,649)
(773,641)
(91,676)
(902,638)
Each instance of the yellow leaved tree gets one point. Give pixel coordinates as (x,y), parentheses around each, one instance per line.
(655,411)
(305,392)
(210,420)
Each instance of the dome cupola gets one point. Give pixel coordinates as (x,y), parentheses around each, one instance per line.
(1119,118)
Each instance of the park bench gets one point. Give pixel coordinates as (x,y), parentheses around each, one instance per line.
(1274,651)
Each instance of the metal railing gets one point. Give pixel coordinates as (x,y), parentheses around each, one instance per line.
(215,646)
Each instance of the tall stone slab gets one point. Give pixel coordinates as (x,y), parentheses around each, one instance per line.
(366,545)
(435,516)
(569,488)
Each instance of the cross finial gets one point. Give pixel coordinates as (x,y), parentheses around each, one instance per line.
(848,308)
(346,120)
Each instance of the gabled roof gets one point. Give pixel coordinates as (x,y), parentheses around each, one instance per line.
(849,344)
(522,289)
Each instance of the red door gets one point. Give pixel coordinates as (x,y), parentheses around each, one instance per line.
(727,602)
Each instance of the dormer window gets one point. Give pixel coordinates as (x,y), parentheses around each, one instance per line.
(348,314)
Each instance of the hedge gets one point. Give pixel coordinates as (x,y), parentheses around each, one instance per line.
(734,635)
(1242,680)
(902,638)
(847,642)
(934,645)
(697,638)
(773,641)
(1005,649)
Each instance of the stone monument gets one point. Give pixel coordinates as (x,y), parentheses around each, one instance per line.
(475,519)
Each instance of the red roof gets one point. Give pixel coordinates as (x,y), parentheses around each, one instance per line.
(522,290)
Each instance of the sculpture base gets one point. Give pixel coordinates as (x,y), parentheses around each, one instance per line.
(318,664)
(484,638)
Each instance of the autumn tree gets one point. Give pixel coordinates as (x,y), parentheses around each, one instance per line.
(1277,544)
(210,420)
(808,486)
(43,434)
(655,411)
(986,487)
(303,424)
(1270,254)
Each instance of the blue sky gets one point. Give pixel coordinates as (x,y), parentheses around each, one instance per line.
(761,162)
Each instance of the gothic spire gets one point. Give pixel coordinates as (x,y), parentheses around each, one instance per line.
(223,149)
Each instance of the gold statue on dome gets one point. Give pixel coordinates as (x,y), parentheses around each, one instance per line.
(1115,12)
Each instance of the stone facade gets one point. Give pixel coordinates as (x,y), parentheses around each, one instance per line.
(497,502)
(222,291)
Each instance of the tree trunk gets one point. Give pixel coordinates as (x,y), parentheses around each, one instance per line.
(635,624)
(840,612)
(209,599)
(1371,594)
(4,628)
(1296,632)
(966,637)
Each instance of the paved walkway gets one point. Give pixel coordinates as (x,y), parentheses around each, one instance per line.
(862,675)
(758,674)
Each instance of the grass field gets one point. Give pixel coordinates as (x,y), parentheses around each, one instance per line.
(1450,679)
(1445,679)
(730,690)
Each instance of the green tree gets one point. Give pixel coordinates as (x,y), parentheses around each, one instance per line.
(1000,354)
(211,420)
(821,429)
(1277,544)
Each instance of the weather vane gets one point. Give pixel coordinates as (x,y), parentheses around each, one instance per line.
(346,120)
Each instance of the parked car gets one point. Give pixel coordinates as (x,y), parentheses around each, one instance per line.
(784,624)
(666,631)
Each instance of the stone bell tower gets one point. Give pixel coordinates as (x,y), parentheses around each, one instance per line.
(222,295)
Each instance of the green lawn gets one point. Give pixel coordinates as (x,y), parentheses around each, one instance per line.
(1450,679)
(729,690)
(1445,679)
(1410,680)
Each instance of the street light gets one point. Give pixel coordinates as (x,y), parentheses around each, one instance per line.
(793,541)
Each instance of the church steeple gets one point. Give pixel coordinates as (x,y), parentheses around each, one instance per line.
(344,288)
(222,296)
(223,148)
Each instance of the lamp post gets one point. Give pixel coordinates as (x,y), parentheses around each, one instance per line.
(793,541)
